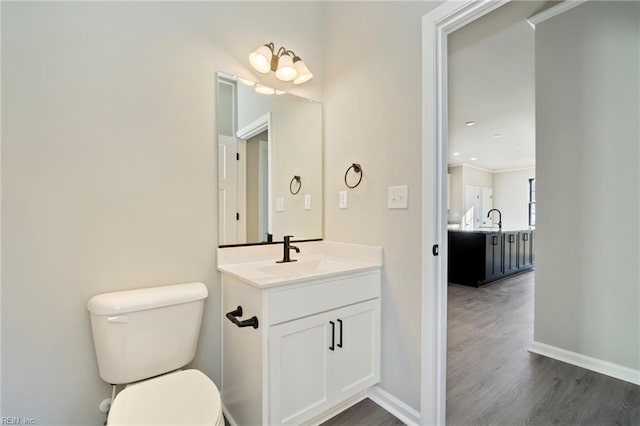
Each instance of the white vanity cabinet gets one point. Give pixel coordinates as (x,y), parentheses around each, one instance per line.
(315,351)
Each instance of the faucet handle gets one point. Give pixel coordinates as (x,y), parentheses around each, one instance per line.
(288,237)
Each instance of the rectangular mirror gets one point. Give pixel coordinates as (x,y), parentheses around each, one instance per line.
(269,164)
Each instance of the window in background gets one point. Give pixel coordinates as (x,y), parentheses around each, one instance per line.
(532,202)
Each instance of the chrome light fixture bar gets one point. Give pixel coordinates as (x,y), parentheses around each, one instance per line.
(285,63)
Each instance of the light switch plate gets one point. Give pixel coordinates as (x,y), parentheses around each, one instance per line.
(398,197)
(279,204)
(307,201)
(343,199)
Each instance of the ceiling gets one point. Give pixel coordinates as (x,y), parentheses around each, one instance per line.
(491,82)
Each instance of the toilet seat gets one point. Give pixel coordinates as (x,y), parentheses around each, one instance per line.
(181,398)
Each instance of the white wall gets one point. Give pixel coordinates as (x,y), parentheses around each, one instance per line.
(462,176)
(511,197)
(109,172)
(476,177)
(372,105)
(587,296)
(456,211)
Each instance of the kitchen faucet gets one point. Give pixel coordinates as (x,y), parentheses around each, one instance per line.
(286,258)
(499,217)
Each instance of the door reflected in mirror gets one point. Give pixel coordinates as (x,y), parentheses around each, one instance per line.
(269,164)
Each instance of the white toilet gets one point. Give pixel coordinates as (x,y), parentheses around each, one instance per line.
(142,338)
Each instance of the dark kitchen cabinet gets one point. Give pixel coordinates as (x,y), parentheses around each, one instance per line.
(477,258)
(494,267)
(510,252)
(525,249)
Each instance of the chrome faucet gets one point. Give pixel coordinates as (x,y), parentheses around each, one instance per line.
(286,258)
(499,217)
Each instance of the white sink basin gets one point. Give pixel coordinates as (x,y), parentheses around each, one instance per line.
(304,267)
(256,265)
(269,273)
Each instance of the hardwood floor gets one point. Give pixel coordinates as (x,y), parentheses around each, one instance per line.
(364,413)
(493,380)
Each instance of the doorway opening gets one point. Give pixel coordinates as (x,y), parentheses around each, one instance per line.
(490,163)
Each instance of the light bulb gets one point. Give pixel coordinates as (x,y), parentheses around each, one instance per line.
(260,59)
(304,74)
(286,71)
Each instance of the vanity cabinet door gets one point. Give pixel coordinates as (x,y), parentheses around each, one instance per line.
(354,366)
(319,361)
(299,356)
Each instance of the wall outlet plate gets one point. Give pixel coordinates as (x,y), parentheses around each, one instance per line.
(307,201)
(279,204)
(343,199)
(398,197)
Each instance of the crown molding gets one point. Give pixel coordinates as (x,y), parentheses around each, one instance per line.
(553,11)
(471,166)
(517,169)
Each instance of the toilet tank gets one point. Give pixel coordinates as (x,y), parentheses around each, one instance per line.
(142,333)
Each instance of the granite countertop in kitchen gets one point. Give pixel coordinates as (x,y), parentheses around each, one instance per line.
(489,230)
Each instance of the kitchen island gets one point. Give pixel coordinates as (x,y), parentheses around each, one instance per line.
(478,257)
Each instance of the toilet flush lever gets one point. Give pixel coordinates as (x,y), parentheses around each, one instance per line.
(121,319)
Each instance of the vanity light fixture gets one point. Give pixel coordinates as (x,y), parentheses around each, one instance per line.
(285,63)
(455,154)
(473,158)
(470,123)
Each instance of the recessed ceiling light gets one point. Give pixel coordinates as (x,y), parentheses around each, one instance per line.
(473,158)
(497,135)
(470,123)
(455,154)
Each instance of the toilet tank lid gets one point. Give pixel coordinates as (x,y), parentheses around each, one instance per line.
(121,302)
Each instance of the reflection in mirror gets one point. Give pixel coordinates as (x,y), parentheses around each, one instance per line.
(264,140)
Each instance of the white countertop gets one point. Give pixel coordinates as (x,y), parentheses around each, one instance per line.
(256,265)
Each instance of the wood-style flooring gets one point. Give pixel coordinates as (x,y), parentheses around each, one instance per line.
(364,413)
(493,380)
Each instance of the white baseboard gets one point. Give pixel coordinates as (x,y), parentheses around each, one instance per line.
(393,405)
(599,366)
(230,419)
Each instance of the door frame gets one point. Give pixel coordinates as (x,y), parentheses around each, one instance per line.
(252,129)
(436,26)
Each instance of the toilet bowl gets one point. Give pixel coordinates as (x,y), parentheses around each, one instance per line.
(142,339)
(183,397)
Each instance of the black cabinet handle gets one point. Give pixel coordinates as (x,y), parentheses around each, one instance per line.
(232,316)
(340,344)
(333,336)
(525,237)
(512,238)
(494,240)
